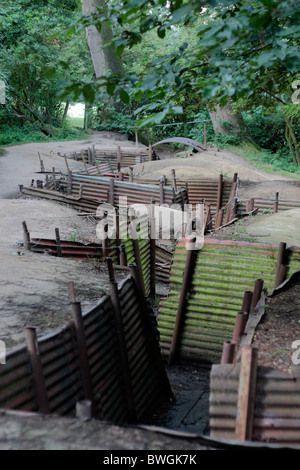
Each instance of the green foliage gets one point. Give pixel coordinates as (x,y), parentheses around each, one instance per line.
(278,163)
(243,51)
(268,130)
(33,46)
(16,135)
(223,140)
(108,118)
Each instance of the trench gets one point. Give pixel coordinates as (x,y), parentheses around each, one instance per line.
(189,412)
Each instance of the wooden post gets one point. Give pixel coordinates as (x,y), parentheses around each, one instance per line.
(136,248)
(112,191)
(174,180)
(38,376)
(179,323)
(219,218)
(204,132)
(81,190)
(119,159)
(58,243)
(84,162)
(282,274)
(258,286)
(220,193)
(240,323)
(66,161)
(152,255)
(246,394)
(281,260)
(136,138)
(41,163)
(247,300)
(228,352)
(161,187)
(150,153)
(97,165)
(123,257)
(275,208)
(70,178)
(208,219)
(26,237)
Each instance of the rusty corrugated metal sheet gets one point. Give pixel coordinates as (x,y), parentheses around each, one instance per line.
(147,389)
(108,158)
(266,205)
(16,390)
(77,203)
(164,258)
(98,188)
(69,249)
(104,362)
(59,358)
(277,404)
(224,270)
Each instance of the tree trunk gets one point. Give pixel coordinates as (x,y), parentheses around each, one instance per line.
(104,60)
(66,110)
(228,122)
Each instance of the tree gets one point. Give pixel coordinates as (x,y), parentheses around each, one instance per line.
(246,53)
(33,45)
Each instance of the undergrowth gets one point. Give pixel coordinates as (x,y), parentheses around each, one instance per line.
(272,162)
(26,134)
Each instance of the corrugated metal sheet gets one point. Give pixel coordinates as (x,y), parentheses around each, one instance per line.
(98,188)
(266,205)
(144,373)
(277,404)
(164,258)
(69,249)
(16,387)
(109,158)
(61,370)
(104,363)
(77,203)
(59,358)
(223,271)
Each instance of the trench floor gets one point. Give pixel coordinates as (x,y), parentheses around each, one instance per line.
(190,410)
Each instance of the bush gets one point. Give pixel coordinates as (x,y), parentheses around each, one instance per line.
(114,121)
(223,140)
(268,131)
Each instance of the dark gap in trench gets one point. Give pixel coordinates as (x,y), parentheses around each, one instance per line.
(190,410)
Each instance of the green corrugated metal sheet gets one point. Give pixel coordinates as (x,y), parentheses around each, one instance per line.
(223,271)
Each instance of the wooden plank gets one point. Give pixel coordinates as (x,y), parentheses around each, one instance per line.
(246,394)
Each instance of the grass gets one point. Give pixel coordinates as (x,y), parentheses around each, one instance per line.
(75,122)
(23,135)
(265,161)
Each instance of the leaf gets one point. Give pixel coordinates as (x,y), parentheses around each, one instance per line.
(138,95)
(161,32)
(124,96)
(110,88)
